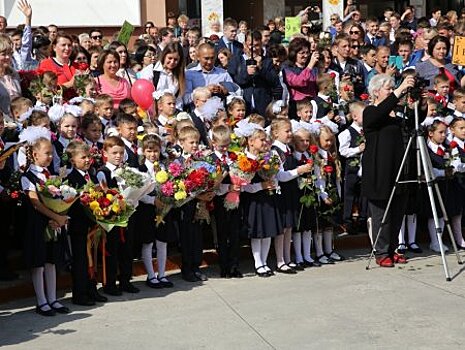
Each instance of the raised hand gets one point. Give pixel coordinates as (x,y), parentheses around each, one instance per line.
(25,7)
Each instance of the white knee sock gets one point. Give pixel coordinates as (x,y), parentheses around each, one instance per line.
(297,241)
(307,245)
(278,248)
(318,242)
(147,259)
(432,231)
(328,240)
(51,283)
(265,249)
(287,244)
(37,275)
(161,258)
(412,228)
(456,223)
(256,245)
(402,232)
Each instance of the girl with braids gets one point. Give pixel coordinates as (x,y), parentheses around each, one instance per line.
(41,255)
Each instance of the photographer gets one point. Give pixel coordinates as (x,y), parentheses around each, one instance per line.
(381,162)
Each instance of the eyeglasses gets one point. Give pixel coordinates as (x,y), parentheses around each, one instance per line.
(355,46)
(149,55)
(81,59)
(97,37)
(354,32)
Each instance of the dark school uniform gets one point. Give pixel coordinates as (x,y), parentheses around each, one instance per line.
(307,215)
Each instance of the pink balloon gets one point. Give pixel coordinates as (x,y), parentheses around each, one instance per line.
(141,93)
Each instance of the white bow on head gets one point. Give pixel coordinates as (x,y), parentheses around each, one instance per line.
(56,112)
(245,129)
(32,133)
(25,116)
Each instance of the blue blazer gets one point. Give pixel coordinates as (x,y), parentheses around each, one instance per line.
(237,47)
(378,41)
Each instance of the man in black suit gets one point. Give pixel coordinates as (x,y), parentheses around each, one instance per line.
(228,40)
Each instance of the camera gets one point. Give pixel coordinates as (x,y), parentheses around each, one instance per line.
(251,62)
(420,85)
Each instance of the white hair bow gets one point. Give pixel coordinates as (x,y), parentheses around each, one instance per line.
(277,106)
(231,98)
(211,107)
(157,94)
(77,100)
(245,129)
(56,112)
(25,116)
(32,133)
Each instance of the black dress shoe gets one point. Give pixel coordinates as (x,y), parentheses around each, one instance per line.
(112,290)
(235,273)
(60,309)
(189,277)
(295,266)
(98,297)
(41,312)
(155,285)
(129,288)
(263,273)
(83,301)
(200,276)
(165,282)
(414,248)
(286,269)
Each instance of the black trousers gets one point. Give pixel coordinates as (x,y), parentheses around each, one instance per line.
(190,238)
(388,239)
(6,213)
(83,286)
(228,225)
(351,196)
(119,249)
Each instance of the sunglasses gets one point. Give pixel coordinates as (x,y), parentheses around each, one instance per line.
(97,37)
(355,46)
(354,32)
(333,19)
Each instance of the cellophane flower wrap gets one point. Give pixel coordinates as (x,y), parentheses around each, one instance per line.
(133,184)
(241,172)
(269,164)
(58,196)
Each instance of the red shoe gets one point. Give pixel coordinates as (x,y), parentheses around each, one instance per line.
(384,261)
(400,258)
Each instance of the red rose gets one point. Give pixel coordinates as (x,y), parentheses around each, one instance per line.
(453,144)
(14,195)
(347,88)
(233,156)
(313,149)
(364,97)
(328,169)
(310,161)
(332,75)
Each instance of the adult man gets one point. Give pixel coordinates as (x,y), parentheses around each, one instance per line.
(96,36)
(394,21)
(165,37)
(266,36)
(3,24)
(372,33)
(435,15)
(228,40)
(382,64)
(206,74)
(22,40)
(408,18)
(52,32)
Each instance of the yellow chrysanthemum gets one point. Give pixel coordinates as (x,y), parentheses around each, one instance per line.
(161,177)
(93,205)
(180,195)
(181,186)
(109,196)
(115,208)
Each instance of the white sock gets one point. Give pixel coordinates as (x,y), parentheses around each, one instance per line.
(318,242)
(287,244)
(147,259)
(256,245)
(412,228)
(432,231)
(278,248)
(402,232)
(51,284)
(37,275)
(307,245)
(456,224)
(297,241)
(265,249)
(161,258)
(328,240)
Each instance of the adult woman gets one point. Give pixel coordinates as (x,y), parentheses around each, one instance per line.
(168,73)
(299,73)
(94,52)
(192,59)
(9,80)
(61,64)
(85,41)
(224,57)
(326,57)
(438,49)
(125,70)
(380,163)
(79,56)
(145,55)
(108,82)
(356,32)
(355,49)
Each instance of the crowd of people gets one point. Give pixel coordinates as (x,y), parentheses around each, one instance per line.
(335,104)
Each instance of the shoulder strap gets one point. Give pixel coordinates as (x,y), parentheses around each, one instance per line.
(156,78)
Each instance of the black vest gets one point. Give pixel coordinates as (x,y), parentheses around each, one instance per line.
(133,159)
(323,107)
(111,182)
(200,126)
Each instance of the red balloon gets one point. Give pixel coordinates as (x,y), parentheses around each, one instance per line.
(141,93)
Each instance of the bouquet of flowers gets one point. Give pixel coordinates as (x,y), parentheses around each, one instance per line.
(133,184)
(269,167)
(57,196)
(96,156)
(307,183)
(241,172)
(332,192)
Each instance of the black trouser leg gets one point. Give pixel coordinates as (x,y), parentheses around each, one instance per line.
(125,253)
(112,256)
(79,270)
(350,187)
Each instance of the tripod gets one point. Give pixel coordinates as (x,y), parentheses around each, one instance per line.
(424,169)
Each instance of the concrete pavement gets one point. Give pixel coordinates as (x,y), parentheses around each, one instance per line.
(342,306)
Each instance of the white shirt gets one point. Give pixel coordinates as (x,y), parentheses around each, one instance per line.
(344,142)
(434,147)
(26,184)
(101,175)
(456,161)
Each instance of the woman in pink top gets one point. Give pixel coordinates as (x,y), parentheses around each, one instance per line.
(109,83)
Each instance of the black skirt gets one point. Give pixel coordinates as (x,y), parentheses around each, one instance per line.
(146,227)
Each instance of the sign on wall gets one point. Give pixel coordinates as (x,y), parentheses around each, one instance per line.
(212,11)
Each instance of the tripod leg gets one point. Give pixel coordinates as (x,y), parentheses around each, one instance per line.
(383,221)
(447,223)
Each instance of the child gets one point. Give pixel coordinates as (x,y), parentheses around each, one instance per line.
(166,109)
(304,111)
(457,128)
(261,210)
(323,102)
(228,222)
(329,183)
(91,131)
(190,233)
(302,238)
(85,86)
(281,133)
(68,126)
(104,110)
(127,128)
(84,286)
(145,220)
(351,147)
(276,109)
(41,255)
(119,250)
(199,98)
(236,110)
(19,106)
